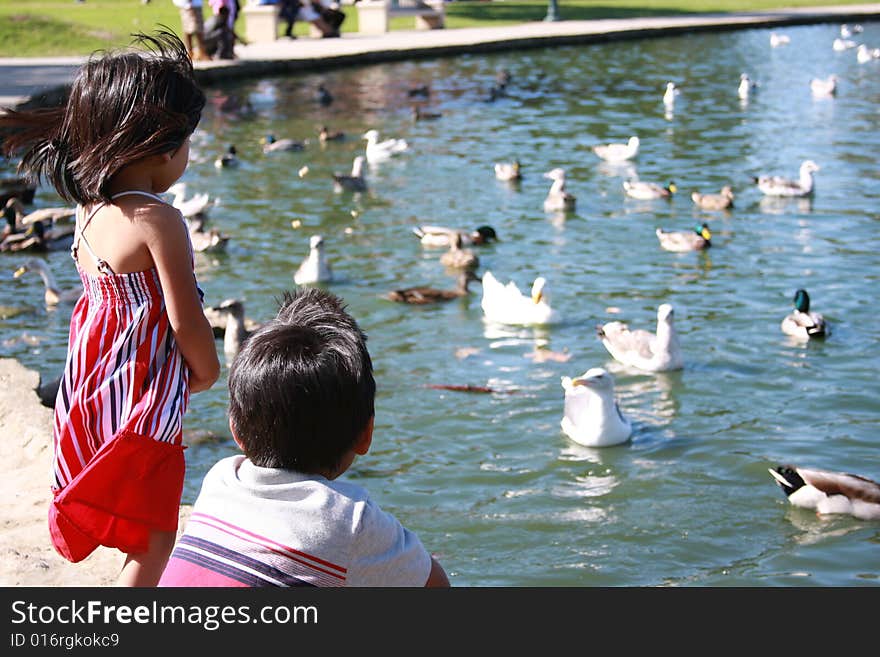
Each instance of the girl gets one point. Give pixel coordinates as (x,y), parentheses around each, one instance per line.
(139,341)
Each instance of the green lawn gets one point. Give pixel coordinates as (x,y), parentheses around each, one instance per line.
(35,28)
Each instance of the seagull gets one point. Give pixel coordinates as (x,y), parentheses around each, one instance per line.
(53,295)
(829,492)
(616,152)
(189,207)
(557,198)
(592,417)
(824,87)
(802,322)
(642,349)
(777,40)
(865,54)
(720,201)
(355,181)
(315,268)
(378,151)
(780,186)
(745,86)
(508,171)
(846,31)
(670,94)
(272,145)
(235,333)
(505,304)
(843,44)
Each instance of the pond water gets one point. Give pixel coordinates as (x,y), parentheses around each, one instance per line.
(489,481)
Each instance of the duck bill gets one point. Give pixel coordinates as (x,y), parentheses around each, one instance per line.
(537,297)
(706,235)
(19,272)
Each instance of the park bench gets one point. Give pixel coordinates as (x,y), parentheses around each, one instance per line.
(374,15)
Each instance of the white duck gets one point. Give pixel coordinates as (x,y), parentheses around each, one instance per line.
(865,54)
(846,31)
(669,95)
(192,206)
(802,322)
(781,186)
(829,492)
(745,86)
(508,171)
(777,40)
(646,191)
(824,87)
(615,152)
(558,198)
(315,268)
(505,304)
(355,181)
(378,151)
(53,294)
(843,44)
(652,352)
(443,236)
(592,416)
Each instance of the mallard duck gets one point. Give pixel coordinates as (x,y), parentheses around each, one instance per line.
(777,40)
(592,416)
(745,86)
(689,240)
(646,191)
(196,204)
(377,151)
(508,171)
(824,87)
(17,217)
(20,188)
(39,239)
(235,333)
(865,54)
(422,91)
(652,352)
(459,258)
(315,268)
(273,145)
(218,319)
(441,236)
(720,201)
(829,492)
(802,322)
(228,160)
(53,294)
(618,152)
(669,95)
(420,114)
(505,304)
(780,186)
(325,135)
(558,198)
(425,294)
(204,241)
(324,97)
(353,182)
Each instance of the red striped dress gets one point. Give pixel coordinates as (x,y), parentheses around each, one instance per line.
(118,465)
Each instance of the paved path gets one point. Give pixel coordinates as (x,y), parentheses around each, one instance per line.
(21,79)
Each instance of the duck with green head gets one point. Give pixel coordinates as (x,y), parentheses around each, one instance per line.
(802,322)
(694,240)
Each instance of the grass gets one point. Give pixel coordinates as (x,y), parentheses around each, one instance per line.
(42,28)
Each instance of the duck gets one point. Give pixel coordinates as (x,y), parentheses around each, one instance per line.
(505,304)
(273,145)
(17,217)
(840,44)
(846,31)
(802,322)
(508,171)
(235,333)
(53,295)
(651,352)
(689,240)
(13,187)
(36,239)
(865,54)
(721,201)
(780,186)
(558,198)
(425,294)
(422,91)
(205,241)
(353,182)
(824,87)
(325,135)
(669,95)
(459,258)
(745,86)
(646,191)
(829,492)
(218,319)
(777,40)
(195,205)
(420,114)
(615,152)
(378,151)
(315,268)
(441,236)
(324,97)
(228,160)
(592,416)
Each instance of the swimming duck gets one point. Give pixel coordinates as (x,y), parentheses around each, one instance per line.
(273,145)
(840,45)
(228,160)
(865,54)
(459,258)
(189,207)
(690,240)
(505,304)
(324,97)
(745,86)
(36,238)
(355,181)
(829,492)
(777,40)
(424,115)
(422,91)
(441,236)
(325,135)
(17,218)
(558,198)
(315,268)
(720,201)
(508,171)
(218,320)
(824,87)
(592,416)
(646,191)
(801,322)
(424,294)
(377,151)
(16,187)
(204,241)
(846,31)
(780,186)
(53,295)
(235,333)
(669,95)
(618,152)
(652,352)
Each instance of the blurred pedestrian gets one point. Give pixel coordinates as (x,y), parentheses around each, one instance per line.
(193,25)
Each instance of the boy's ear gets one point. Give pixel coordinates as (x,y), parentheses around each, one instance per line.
(234,437)
(362,446)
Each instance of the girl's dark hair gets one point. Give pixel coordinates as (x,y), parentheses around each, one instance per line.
(301,390)
(123,106)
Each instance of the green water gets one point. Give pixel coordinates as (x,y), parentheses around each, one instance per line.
(489,482)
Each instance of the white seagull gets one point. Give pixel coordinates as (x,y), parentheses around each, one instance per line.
(865,54)
(378,151)
(829,492)
(192,206)
(53,295)
(592,416)
(670,94)
(824,87)
(557,197)
(315,268)
(781,186)
(745,86)
(777,40)
(505,304)
(651,352)
(355,181)
(843,44)
(616,152)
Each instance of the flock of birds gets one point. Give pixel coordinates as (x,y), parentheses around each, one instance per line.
(591,415)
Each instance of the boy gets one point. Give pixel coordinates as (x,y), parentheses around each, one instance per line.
(301,394)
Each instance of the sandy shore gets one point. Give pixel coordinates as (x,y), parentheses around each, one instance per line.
(27,557)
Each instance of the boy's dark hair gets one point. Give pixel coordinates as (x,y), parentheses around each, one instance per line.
(301,390)
(123,106)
